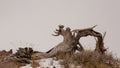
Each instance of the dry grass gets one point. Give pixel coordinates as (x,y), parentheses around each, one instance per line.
(90,59)
(86,59)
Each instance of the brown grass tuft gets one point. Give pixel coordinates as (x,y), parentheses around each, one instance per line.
(90,59)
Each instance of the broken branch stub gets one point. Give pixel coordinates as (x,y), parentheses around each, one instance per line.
(59,31)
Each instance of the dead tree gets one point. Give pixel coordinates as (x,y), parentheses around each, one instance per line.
(66,46)
(71,40)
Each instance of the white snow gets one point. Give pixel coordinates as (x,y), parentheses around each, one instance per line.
(27,66)
(48,62)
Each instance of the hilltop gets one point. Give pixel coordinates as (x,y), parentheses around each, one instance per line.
(69,53)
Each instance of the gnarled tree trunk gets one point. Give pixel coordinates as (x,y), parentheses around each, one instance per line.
(70,42)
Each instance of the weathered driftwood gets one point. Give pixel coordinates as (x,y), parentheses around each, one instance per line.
(70,42)
(67,45)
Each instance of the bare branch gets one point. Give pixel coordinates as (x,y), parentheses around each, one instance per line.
(104,35)
(93,27)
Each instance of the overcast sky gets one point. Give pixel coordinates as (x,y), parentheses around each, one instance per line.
(31,22)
